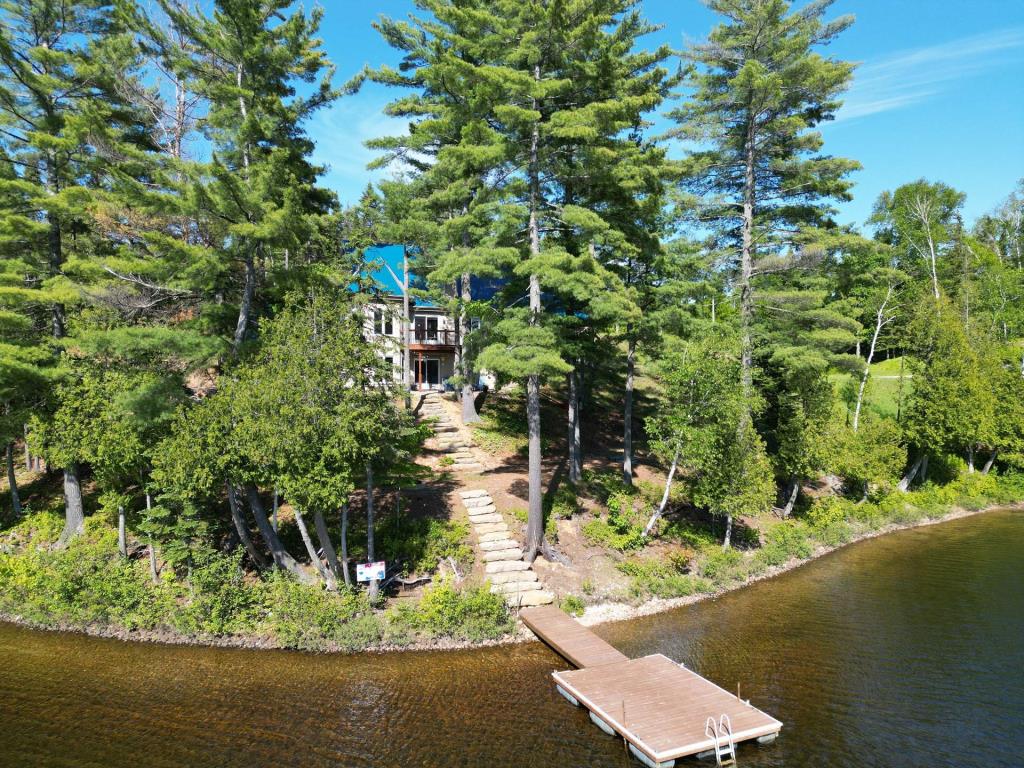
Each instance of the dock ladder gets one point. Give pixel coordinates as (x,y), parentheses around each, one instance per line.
(721,734)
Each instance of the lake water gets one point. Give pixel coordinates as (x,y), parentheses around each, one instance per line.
(907,650)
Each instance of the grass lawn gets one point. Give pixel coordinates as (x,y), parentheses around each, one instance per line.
(883,391)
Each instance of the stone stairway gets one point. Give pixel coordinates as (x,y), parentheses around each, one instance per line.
(447,434)
(508,573)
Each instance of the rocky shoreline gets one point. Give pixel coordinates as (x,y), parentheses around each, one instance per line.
(592,616)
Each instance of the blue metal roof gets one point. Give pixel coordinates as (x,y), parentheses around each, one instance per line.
(383,265)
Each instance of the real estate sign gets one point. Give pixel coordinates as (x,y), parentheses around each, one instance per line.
(370,571)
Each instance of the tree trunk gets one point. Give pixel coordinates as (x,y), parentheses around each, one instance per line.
(154,572)
(575,467)
(242,529)
(122,537)
(74,513)
(970,458)
(747,275)
(325,543)
(791,496)
(923,473)
(245,308)
(880,322)
(727,541)
(12,481)
(406,342)
(469,414)
(535,515)
(908,478)
(29,464)
(931,251)
(281,557)
(664,497)
(991,460)
(370,553)
(627,414)
(273,510)
(56,264)
(314,558)
(344,545)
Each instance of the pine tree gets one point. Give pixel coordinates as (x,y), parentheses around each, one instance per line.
(759,91)
(524,118)
(257,196)
(66,127)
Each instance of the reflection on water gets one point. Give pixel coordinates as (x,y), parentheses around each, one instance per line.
(906,650)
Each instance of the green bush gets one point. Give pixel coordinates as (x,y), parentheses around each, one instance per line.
(562,504)
(310,617)
(785,541)
(662,577)
(721,565)
(221,601)
(610,533)
(573,605)
(473,613)
(827,519)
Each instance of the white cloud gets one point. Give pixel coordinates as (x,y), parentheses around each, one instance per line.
(910,77)
(340,132)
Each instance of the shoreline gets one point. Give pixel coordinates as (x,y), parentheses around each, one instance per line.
(594,615)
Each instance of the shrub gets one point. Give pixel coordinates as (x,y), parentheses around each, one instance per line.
(563,503)
(573,605)
(309,617)
(662,577)
(785,541)
(827,519)
(473,613)
(222,602)
(721,565)
(607,533)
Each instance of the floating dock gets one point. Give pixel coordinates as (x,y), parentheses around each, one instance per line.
(663,710)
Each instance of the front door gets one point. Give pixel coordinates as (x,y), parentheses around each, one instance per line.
(428,373)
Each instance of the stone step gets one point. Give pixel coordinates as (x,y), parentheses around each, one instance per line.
(506,566)
(514,587)
(492,518)
(445,428)
(453,447)
(475,493)
(513,576)
(493,536)
(473,512)
(469,465)
(476,502)
(483,528)
(462,454)
(503,554)
(531,598)
(497,546)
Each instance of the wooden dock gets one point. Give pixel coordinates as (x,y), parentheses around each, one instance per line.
(663,710)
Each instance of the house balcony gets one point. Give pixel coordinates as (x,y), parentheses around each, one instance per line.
(426,339)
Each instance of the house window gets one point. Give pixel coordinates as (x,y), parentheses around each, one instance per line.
(382,324)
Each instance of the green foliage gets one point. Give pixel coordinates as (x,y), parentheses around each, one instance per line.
(87,582)
(311,618)
(784,542)
(221,601)
(421,542)
(662,577)
(572,605)
(620,530)
(472,613)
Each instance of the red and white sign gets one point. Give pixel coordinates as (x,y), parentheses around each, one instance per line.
(370,571)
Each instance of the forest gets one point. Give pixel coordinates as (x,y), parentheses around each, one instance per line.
(201,436)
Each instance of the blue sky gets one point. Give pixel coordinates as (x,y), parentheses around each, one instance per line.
(939,93)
